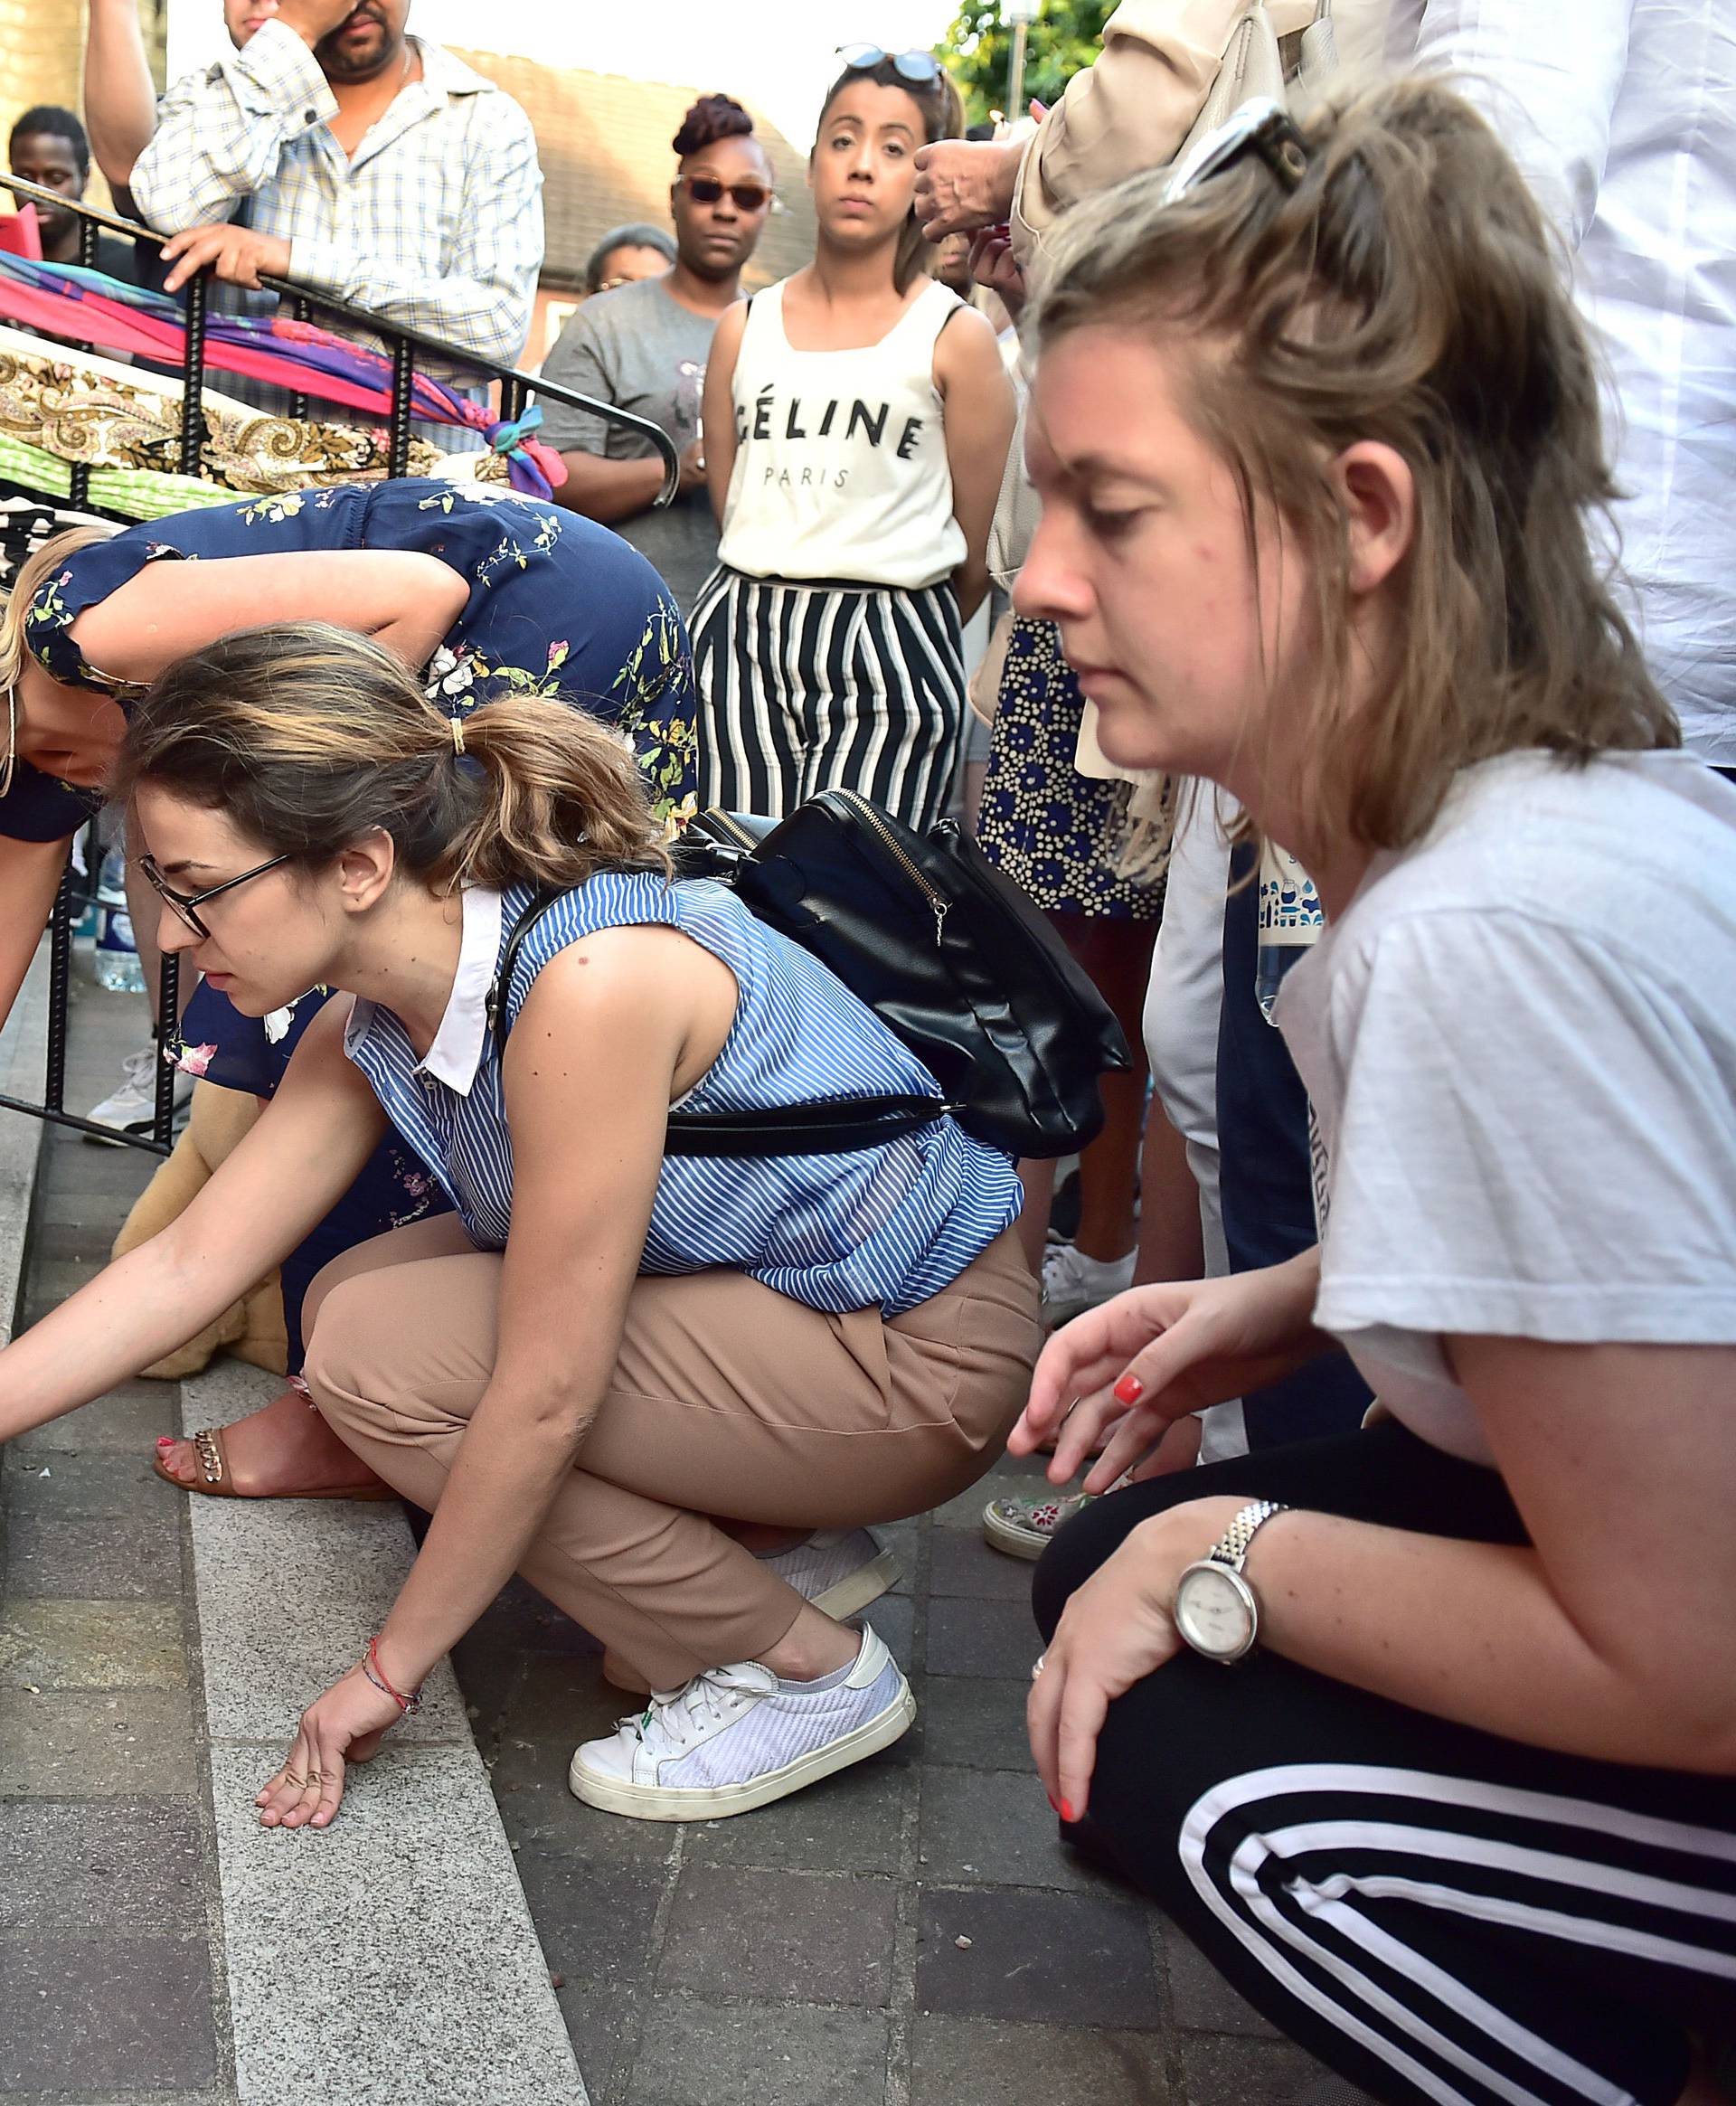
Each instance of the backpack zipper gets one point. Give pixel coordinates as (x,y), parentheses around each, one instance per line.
(939,903)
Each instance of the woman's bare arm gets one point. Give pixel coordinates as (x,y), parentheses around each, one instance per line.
(404,601)
(718,411)
(30,876)
(981,411)
(120,97)
(285,1176)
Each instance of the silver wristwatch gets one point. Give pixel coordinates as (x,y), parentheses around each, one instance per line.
(1215,1609)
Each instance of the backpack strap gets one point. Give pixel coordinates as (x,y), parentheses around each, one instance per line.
(839,1127)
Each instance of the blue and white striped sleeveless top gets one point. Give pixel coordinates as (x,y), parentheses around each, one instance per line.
(892,1225)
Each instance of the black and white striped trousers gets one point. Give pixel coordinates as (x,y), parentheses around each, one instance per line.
(827,685)
(1439,1913)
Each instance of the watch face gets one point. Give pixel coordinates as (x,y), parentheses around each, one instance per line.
(1214,1612)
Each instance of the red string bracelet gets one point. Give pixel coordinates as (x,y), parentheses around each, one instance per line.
(376,1674)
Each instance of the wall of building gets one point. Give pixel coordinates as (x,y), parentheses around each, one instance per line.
(41,60)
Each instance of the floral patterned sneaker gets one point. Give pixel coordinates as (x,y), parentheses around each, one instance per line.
(1023,1527)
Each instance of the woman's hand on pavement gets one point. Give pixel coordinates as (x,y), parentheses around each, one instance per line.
(345,1725)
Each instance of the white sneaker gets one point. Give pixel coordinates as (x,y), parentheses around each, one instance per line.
(736,1738)
(133,1106)
(839,1570)
(1073,1283)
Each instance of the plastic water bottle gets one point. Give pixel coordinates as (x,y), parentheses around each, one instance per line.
(1291,919)
(117,955)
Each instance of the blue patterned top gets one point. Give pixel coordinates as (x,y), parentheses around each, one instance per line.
(890,1224)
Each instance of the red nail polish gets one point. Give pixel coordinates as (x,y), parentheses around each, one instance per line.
(1129,1389)
(1066,1811)
(164,1440)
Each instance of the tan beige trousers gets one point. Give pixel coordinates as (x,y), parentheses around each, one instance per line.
(727,1399)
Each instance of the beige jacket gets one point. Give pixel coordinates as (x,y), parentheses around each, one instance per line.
(1133,109)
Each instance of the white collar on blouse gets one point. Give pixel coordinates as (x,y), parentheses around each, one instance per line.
(456,1051)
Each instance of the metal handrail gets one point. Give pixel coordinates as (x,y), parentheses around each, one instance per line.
(405,345)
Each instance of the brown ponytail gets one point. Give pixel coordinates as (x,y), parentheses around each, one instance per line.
(309,738)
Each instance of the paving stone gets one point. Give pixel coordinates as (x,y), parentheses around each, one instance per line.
(1055,1959)
(974,2062)
(93,1645)
(603,2026)
(974,1724)
(994,1827)
(853,1822)
(104,2015)
(521,1618)
(780,1934)
(894,1619)
(102,1557)
(81,1169)
(594,1920)
(529,1781)
(126,1745)
(85,1484)
(101,1865)
(1200,1998)
(963,1564)
(693,2054)
(1218,2071)
(127,1421)
(995,1638)
(564,1697)
(335,1941)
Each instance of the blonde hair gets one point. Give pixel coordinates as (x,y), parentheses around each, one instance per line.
(1409,292)
(33,573)
(309,738)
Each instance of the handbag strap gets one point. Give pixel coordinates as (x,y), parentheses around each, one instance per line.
(838,1128)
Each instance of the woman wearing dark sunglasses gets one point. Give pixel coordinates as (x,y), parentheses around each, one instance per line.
(857,418)
(644,346)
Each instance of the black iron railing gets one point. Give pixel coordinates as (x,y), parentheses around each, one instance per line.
(408,348)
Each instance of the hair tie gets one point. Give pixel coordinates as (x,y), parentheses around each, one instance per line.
(458,735)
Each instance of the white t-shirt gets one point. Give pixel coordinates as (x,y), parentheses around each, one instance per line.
(1520,1042)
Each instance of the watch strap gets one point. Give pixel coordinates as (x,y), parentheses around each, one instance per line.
(1231,1547)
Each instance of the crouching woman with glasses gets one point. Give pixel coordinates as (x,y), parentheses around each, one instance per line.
(598,1348)
(1426,1734)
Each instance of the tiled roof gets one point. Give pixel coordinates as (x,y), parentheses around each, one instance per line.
(604,141)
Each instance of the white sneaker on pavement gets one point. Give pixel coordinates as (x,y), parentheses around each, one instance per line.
(1073,1283)
(737,1737)
(133,1105)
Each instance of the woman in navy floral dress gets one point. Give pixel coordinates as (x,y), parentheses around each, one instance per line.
(489,592)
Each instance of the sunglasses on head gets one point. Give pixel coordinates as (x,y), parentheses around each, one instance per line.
(921,67)
(1262,127)
(181,905)
(746,197)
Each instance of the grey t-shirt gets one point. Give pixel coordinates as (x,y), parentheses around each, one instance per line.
(1519,1042)
(642,350)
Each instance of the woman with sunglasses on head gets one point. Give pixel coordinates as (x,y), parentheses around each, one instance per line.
(857,418)
(600,1345)
(644,346)
(484,594)
(1426,1733)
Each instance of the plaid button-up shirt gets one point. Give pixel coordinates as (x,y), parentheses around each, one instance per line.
(435,221)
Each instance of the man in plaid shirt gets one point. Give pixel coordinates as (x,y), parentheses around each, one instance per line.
(367,163)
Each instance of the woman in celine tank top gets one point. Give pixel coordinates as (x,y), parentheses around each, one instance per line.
(857,422)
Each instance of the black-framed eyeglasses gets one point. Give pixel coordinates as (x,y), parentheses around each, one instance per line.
(746,197)
(1260,127)
(181,905)
(920,67)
